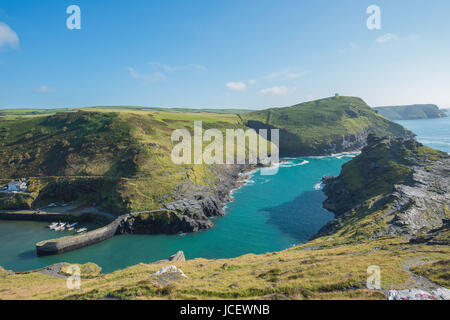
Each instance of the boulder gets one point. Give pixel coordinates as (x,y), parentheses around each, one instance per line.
(178,257)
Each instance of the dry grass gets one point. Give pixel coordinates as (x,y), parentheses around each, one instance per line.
(298,273)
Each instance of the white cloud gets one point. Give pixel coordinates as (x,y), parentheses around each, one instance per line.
(44,89)
(149,77)
(252,81)
(279,90)
(387,37)
(168,68)
(8,37)
(236,86)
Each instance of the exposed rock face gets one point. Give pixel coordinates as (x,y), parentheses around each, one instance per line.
(345,143)
(193,206)
(410,180)
(178,257)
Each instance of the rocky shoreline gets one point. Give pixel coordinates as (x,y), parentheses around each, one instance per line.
(194,205)
(415,204)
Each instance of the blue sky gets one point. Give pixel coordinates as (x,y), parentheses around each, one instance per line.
(233,53)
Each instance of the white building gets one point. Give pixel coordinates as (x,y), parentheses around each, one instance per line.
(17,186)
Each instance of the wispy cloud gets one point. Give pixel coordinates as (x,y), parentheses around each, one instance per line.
(387,37)
(147,77)
(278,90)
(236,86)
(8,37)
(168,68)
(44,89)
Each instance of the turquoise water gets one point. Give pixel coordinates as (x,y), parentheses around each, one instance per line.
(270,213)
(434,133)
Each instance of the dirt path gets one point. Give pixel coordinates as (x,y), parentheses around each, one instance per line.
(416,281)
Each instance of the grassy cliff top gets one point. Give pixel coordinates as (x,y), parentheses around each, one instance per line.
(383,164)
(122,159)
(410,112)
(335,116)
(311,125)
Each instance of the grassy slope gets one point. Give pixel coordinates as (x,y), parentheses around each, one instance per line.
(311,125)
(365,180)
(121,160)
(312,271)
(417,111)
(390,165)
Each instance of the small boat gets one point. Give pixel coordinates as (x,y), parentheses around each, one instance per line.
(71,226)
(52,225)
(82,230)
(60,226)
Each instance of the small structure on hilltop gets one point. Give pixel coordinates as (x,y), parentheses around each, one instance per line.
(17,186)
(336,94)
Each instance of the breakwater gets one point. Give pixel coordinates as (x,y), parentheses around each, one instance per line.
(62,245)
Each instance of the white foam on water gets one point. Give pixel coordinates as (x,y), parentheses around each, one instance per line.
(318,186)
(292,164)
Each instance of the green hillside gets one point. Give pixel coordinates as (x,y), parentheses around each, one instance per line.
(411,112)
(119,161)
(325,126)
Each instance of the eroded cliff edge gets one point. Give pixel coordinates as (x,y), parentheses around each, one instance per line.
(395,187)
(193,205)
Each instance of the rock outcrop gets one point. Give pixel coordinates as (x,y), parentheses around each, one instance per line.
(193,205)
(405,185)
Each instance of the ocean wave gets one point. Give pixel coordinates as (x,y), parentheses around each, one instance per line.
(290,164)
(339,155)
